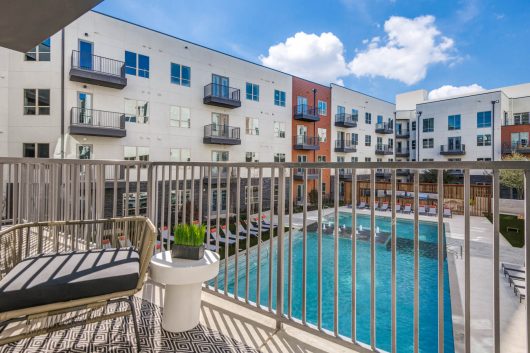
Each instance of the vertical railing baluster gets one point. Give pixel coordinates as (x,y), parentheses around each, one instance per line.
(217,215)
(280,234)
(416,323)
(304,249)
(290,264)
(496,297)
(138,177)
(271,234)
(227,225)
(372,260)
(467,264)
(441,248)
(260,230)
(114,191)
(185,197)
(178,197)
(169,191)
(162,213)
(354,256)
(201,177)
(236,224)
(527,251)
(336,256)
(192,203)
(247,246)
(209,206)
(393,246)
(319,250)
(127,196)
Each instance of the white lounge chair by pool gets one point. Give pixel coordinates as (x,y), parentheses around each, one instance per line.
(361,205)
(384,207)
(432,211)
(408,208)
(230,234)
(214,236)
(243,230)
(422,210)
(448,213)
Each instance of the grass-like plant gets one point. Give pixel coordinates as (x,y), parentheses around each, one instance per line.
(189,234)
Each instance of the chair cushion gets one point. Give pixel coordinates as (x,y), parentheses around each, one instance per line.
(53,278)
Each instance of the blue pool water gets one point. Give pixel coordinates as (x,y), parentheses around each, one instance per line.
(405,284)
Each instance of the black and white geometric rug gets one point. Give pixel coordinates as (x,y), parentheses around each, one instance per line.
(117,336)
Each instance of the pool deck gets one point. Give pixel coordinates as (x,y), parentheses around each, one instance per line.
(511,311)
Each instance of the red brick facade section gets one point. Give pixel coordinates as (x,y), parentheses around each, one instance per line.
(506,133)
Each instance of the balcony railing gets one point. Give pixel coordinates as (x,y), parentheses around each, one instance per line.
(93,122)
(384,128)
(221,135)
(345,146)
(337,294)
(402,134)
(522,148)
(453,150)
(403,152)
(383,150)
(306,113)
(312,173)
(304,142)
(517,119)
(97,70)
(346,120)
(222,96)
(345,174)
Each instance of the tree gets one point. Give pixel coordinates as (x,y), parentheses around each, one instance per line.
(513,178)
(431,176)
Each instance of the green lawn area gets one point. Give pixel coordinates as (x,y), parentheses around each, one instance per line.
(515,238)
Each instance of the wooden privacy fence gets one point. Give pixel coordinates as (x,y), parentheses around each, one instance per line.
(453,198)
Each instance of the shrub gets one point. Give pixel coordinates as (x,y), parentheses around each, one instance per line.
(189,234)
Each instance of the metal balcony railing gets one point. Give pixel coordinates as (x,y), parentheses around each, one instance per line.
(522,148)
(306,113)
(403,152)
(345,146)
(402,133)
(384,128)
(96,123)
(222,95)
(222,134)
(304,142)
(346,120)
(171,193)
(383,149)
(98,64)
(453,150)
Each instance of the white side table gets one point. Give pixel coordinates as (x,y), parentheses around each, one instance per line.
(183,280)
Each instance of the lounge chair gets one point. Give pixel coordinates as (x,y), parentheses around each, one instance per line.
(230,235)
(214,236)
(511,267)
(516,279)
(408,208)
(422,210)
(398,208)
(521,292)
(432,211)
(384,207)
(361,205)
(448,213)
(255,225)
(266,222)
(243,230)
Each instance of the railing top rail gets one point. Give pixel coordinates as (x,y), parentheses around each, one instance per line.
(487,165)
(222,126)
(102,57)
(96,110)
(221,85)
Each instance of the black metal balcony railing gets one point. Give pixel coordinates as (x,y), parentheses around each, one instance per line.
(402,172)
(403,134)
(345,146)
(306,113)
(312,173)
(222,95)
(346,120)
(97,123)
(98,70)
(453,150)
(222,135)
(304,142)
(345,173)
(383,172)
(403,152)
(384,128)
(517,119)
(383,149)
(515,147)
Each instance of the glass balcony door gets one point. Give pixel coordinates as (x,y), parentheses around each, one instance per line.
(221,86)
(84,103)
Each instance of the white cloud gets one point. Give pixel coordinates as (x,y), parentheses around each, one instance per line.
(449,91)
(411,46)
(317,58)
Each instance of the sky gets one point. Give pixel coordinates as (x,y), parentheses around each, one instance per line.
(378,47)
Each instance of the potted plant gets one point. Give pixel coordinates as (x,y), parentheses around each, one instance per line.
(189,241)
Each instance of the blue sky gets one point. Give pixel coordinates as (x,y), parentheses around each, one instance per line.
(380,47)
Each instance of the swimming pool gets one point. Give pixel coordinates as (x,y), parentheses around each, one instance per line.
(405,280)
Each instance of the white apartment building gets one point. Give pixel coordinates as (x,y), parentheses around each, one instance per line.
(134,93)
(362,127)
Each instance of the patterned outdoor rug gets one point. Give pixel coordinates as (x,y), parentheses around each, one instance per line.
(117,336)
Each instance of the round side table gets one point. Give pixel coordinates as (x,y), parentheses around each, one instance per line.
(183,279)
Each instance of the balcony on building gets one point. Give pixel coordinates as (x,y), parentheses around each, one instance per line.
(345,120)
(221,135)
(402,172)
(383,150)
(384,128)
(509,148)
(90,122)
(222,96)
(304,142)
(345,174)
(403,152)
(305,112)
(517,119)
(403,134)
(97,70)
(345,146)
(383,173)
(312,173)
(453,150)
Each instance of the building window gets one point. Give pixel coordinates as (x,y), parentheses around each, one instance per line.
(428,125)
(453,122)
(521,119)
(428,160)
(252,126)
(251,157)
(367,159)
(136,111)
(180,154)
(279,98)
(322,135)
(252,92)
(354,139)
(321,159)
(368,118)
(484,140)
(136,153)
(355,159)
(84,151)
(279,157)
(40,53)
(428,143)
(413,144)
(136,64)
(36,102)
(220,156)
(483,119)
(279,129)
(367,140)
(322,108)
(179,116)
(413,126)
(36,150)
(355,114)
(180,74)
(484,159)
